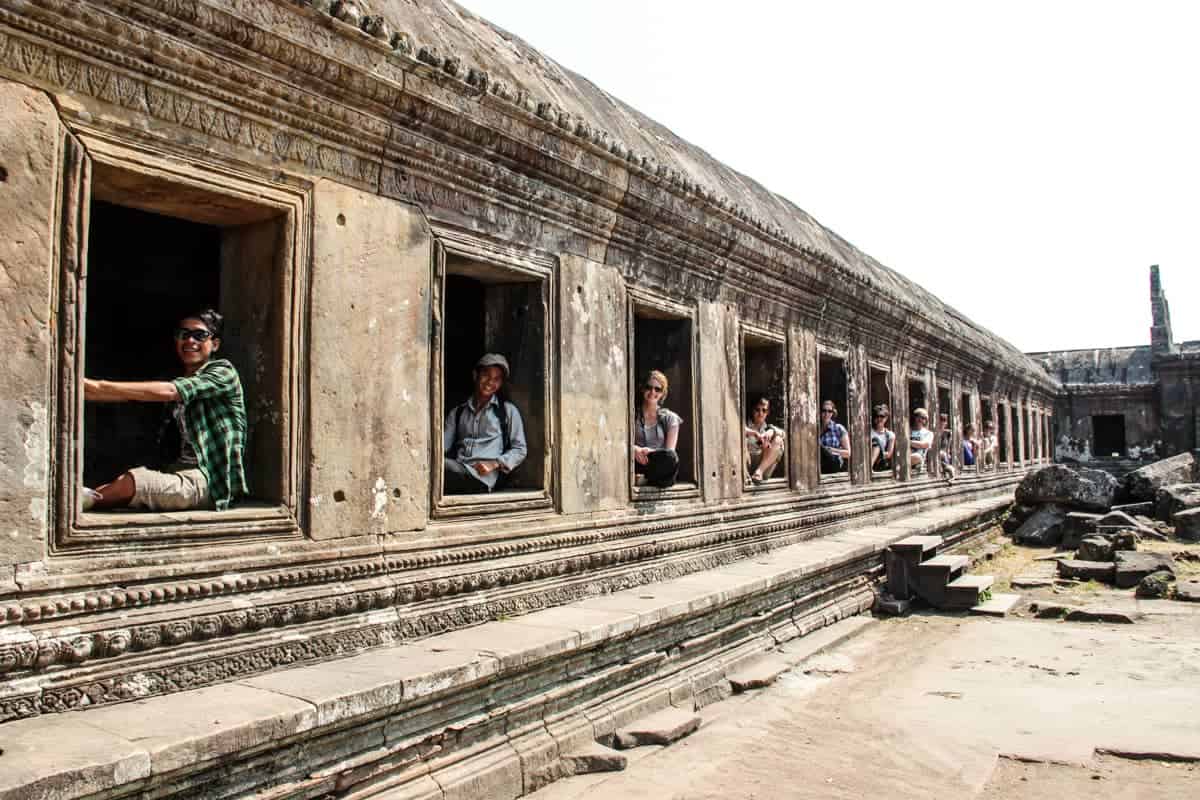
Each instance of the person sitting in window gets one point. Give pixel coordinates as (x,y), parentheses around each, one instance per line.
(883,441)
(970,445)
(208,413)
(483,438)
(920,439)
(835,442)
(945,450)
(764,442)
(988,446)
(655,434)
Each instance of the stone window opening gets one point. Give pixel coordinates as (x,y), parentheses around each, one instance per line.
(881,403)
(1108,435)
(986,419)
(1027,439)
(489,301)
(662,338)
(144,245)
(971,432)
(917,398)
(833,391)
(764,377)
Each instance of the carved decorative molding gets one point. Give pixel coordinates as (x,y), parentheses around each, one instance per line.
(362,90)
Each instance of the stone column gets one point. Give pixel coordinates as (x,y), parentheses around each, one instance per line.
(900,418)
(803,430)
(30,169)
(594,404)
(719,401)
(369,358)
(858,413)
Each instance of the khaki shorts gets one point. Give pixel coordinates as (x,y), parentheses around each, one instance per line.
(178,489)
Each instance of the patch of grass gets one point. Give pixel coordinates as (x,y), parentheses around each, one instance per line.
(1091,587)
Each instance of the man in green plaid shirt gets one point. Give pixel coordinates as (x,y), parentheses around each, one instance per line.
(209,415)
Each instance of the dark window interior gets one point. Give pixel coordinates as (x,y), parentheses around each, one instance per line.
(1108,433)
(489,309)
(944,408)
(916,396)
(964,411)
(985,408)
(764,375)
(1027,443)
(833,388)
(881,395)
(147,270)
(664,343)
(1002,432)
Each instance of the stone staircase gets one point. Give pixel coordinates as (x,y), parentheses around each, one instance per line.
(917,570)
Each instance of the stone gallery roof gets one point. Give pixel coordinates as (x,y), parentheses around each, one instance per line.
(445,34)
(1113,365)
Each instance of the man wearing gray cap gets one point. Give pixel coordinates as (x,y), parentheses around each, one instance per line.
(483,438)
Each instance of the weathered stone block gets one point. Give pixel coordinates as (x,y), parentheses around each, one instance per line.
(662,728)
(1170,500)
(1078,488)
(1187,524)
(1077,525)
(1188,591)
(1132,567)
(1143,483)
(1087,570)
(1043,529)
(29,157)
(1095,548)
(1156,584)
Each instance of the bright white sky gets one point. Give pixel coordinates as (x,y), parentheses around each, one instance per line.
(1025,161)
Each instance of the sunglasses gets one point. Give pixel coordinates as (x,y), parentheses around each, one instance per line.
(196,334)
(650,387)
(826,410)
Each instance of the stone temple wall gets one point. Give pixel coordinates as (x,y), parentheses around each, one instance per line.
(352,190)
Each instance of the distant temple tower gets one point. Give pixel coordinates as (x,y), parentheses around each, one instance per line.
(1161,340)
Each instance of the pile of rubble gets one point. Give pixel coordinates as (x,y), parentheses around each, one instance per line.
(1103,520)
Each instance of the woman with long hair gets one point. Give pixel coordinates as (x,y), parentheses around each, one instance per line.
(656,432)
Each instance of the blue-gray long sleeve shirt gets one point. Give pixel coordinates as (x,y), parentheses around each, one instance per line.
(469,436)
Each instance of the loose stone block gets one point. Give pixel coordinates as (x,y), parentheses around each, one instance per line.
(1087,570)
(594,758)
(663,728)
(1188,591)
(1143,483)
(1170,500)
(1132,567)
(1187,524)
(758,675)
(1095,548)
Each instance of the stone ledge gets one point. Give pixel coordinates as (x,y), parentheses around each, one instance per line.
(174,738)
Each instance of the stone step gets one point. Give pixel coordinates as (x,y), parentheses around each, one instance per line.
(944,564)
(918,544)
(963,592)
(998,606)
(661,728)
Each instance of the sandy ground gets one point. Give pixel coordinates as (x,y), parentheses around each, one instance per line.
(938,705)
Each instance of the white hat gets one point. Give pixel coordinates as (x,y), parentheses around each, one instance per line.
(493,360)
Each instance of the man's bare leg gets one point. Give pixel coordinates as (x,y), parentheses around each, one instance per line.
(117,493)
(770,457)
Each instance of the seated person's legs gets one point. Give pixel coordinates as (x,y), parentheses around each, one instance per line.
(179,489)
(457,479)
(660,468)
(876,457)
(831,462)
(772,454)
